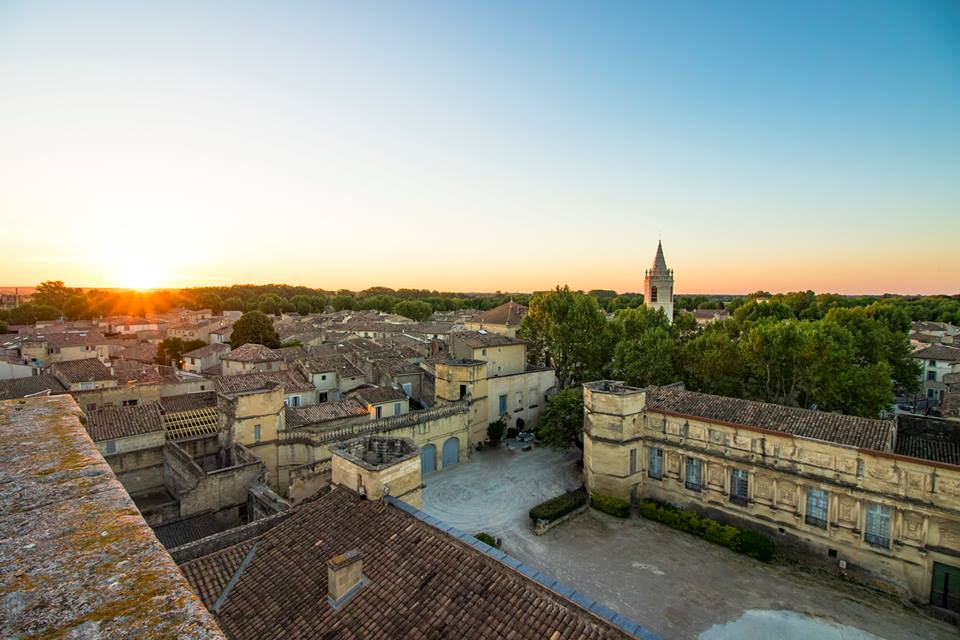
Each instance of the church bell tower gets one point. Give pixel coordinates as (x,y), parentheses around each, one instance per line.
(658,285)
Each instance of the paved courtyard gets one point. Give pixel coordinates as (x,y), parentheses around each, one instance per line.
(673,583)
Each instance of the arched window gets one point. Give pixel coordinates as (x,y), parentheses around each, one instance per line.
(653,294)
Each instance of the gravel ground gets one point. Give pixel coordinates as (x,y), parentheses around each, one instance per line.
(674,584)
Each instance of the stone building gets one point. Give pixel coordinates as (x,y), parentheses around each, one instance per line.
(504,319)
(658,285)
(842,489)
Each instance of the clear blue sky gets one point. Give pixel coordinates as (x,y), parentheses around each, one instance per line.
(487,146)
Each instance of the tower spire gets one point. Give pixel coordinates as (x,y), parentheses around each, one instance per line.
(659,262)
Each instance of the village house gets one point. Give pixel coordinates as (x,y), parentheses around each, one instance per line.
(332,376)
(937,361)
(206,357)
(504,319)
(43,349)
(382,402)
(82,375)
(298,391)
(250,357)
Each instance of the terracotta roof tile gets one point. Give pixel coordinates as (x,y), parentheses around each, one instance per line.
(292,381)
(22,387)
(817,425)
(324,412)
(507,314)
(86,370)
(110,423)
(423,583)
(252,353)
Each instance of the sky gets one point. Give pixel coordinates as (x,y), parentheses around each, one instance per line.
(487,146)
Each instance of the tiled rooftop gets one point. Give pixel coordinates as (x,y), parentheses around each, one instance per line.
(110,423)
(77,560)
(252,353)
(208,350)
(424,581)
(478,339)
(842,429)
(508,314)
(86,370)
(324,412)
(938,352)
(21,387)
(378,395)
(292,381)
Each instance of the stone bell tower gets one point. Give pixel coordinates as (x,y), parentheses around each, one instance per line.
(658,285)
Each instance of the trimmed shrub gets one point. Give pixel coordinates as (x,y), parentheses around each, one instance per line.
(752,544)
(495,431)
(755,545)
(558,507)
(610,505)
(488,539)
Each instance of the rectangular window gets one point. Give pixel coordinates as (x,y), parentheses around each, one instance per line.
(295,401)
(130,403)
(655,463)
(463,390)
(111,446)
(503,405)
(739,486)
(256,433)
(407,389)
(633,461)
(378,411)
(323,377)
(692,479)
(323,396)
(877,528)
(932,376)
(396,408)
(817,501)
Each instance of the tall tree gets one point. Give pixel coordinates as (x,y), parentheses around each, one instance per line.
(568,331)
(170,351)
(561,422)
(254,327)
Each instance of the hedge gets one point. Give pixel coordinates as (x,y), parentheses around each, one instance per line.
(558,507)
(752,544)
(609,504)
(487,538)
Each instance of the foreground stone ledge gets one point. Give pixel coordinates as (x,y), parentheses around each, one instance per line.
(76,558)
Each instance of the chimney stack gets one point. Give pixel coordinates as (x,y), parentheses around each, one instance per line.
(344,576)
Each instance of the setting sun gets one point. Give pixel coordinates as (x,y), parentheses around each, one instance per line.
(137,275)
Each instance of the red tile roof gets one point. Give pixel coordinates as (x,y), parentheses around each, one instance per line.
(422,583)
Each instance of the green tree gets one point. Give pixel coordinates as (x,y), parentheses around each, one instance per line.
(561,423)
(270,304)
(413,309)
(303,304)
(233,303)
(254,327)
(646,359)
(774,352)
(210,300)
(170,351)
(495,431)
(713,362)
(341,302)
(30,313)
(77,308)
(568,331)
(52,293)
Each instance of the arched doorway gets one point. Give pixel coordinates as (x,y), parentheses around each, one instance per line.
(451,452)
(428,459)
(520,424)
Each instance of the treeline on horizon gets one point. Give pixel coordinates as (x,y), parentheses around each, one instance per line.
(800,350)
(52,300)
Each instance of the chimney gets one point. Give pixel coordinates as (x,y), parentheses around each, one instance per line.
(344,577)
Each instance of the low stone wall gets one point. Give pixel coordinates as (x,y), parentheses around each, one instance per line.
(542,526)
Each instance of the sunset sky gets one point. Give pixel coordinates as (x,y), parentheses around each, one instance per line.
(492,146)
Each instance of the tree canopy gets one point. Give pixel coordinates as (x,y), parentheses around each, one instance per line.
(254,327)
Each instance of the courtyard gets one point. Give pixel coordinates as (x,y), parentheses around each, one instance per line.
(672,583)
